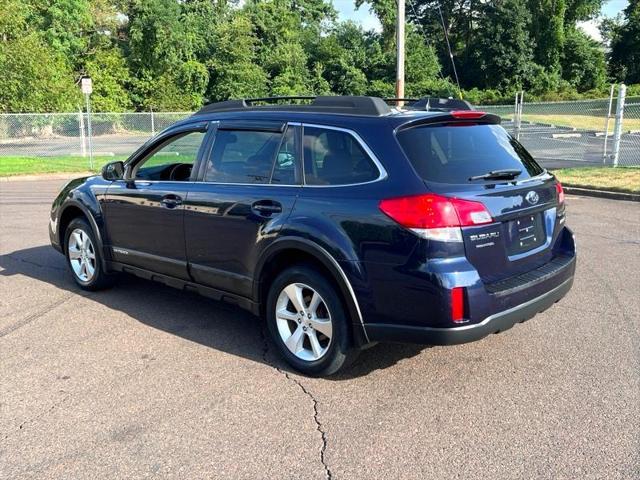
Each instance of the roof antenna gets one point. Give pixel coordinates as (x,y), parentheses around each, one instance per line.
(446,37)
(428,106)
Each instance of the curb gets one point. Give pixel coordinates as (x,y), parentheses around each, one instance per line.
(45,176)
(591,192)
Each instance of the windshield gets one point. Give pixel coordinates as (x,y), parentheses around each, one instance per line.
(455,153)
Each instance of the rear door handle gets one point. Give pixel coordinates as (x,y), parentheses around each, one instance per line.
(266,208)
(171,201)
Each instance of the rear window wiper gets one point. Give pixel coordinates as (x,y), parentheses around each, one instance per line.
(506,174)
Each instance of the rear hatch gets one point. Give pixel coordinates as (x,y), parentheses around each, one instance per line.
(472,158)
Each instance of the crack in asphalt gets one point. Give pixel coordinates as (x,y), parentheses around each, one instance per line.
(34,316)
(319,427)
(40,415)
(31,262)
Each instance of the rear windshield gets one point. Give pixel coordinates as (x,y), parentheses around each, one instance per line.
(453,154)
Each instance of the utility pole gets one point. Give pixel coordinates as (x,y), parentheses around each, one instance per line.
(400,52)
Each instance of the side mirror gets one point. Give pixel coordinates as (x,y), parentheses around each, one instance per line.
(113,171)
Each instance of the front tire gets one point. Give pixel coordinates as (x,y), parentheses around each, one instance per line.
(308,322)
(84,258)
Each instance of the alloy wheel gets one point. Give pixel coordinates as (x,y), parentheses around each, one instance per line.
(304,321)
(82,255)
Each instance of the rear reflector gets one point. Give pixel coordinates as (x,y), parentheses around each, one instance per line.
(467,114)
(560,192)
(457,304)
(436,217)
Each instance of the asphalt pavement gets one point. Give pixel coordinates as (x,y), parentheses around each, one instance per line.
(146,381)
(563,147)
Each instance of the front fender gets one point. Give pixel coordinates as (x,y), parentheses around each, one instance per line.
(81,194)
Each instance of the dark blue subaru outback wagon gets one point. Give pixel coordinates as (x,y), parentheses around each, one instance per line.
(341,221)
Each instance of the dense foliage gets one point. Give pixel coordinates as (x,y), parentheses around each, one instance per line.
(177,54)
(625,44)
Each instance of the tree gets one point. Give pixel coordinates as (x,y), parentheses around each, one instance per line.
(422,69)
(546,28)
(501,54)
(175,54)
(111,79)
(64,25)
(234,72)
(343,57)
(530,54)
(35,78)
(583,63)
(624,59)
(162,56)
(13,19)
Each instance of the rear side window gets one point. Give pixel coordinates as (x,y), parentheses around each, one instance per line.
(335,157)
(453,154)
(247,156)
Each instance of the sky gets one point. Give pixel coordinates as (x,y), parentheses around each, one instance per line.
(347,11)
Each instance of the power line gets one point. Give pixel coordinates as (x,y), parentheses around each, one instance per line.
(424,33)
(446,37)
(426,39)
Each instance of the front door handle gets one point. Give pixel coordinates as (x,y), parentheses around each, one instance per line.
(266,208)
(171,201)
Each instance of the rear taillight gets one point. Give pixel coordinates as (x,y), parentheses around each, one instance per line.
(436,217)
(560,192)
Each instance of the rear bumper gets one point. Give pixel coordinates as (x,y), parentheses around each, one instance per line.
(495,323)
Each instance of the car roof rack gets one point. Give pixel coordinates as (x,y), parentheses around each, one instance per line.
(398,100)
(346,105)
(440,104)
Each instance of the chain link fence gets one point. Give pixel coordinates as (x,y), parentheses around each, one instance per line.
(66,134)
(558,134)
(630,141)
(575,133)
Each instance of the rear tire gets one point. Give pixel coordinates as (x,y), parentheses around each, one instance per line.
(308,322)
(84,258)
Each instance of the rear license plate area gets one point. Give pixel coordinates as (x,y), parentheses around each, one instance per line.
(525,233)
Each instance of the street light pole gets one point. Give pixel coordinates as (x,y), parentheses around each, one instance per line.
(400,52)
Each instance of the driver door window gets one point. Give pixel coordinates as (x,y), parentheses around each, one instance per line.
(173,160)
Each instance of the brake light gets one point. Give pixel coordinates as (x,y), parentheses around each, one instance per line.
(467,114)
(457,304)
(560,192)
(436,217)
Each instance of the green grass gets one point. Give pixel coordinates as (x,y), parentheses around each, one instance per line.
(581,122)
(619,179)
(10,166)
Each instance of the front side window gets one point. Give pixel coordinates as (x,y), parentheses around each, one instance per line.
(172,160)
(335,157)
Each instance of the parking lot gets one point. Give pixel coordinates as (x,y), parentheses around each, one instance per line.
(564,147)
(146,381)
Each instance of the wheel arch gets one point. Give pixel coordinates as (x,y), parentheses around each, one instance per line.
(74,209)
(291,251)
